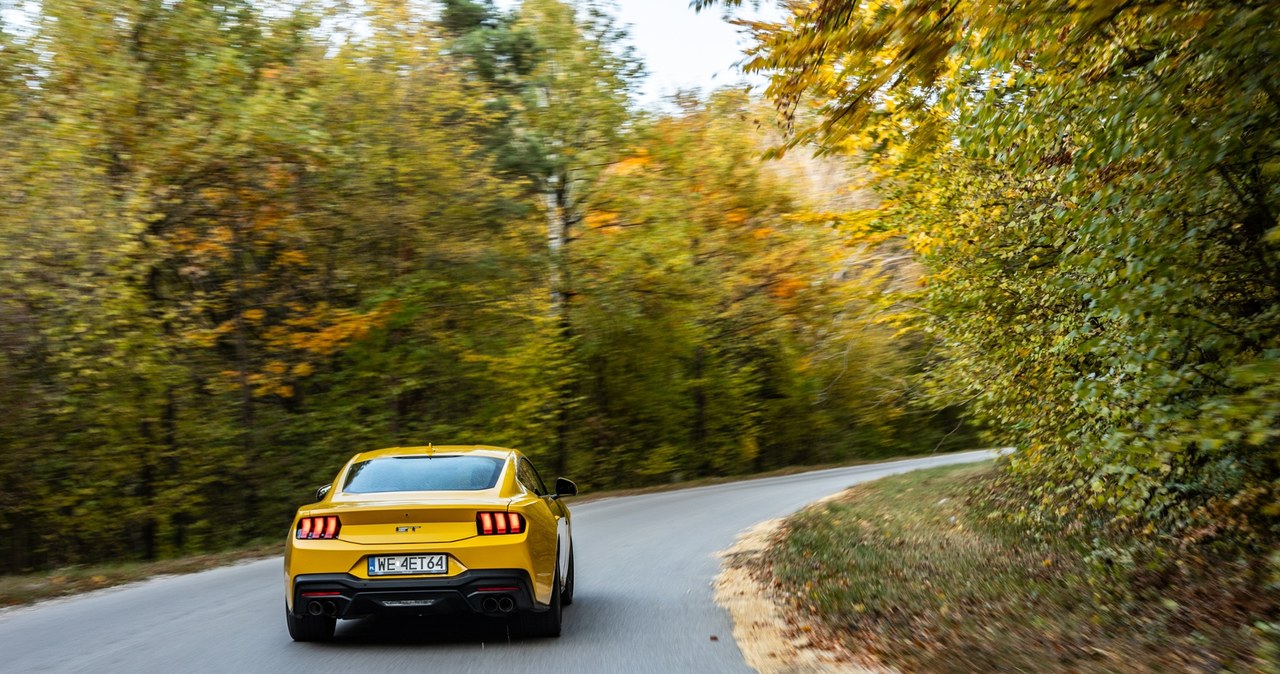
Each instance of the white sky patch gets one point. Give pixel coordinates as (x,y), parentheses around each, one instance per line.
(683,49)
(18,18)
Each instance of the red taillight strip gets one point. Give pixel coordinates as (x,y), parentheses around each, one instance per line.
(321,594)
(490,523)
(318,527)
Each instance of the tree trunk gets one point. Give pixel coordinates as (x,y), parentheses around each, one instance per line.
(559,225)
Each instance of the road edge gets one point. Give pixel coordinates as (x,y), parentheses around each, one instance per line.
(11,610)
(771,643)
(771,638)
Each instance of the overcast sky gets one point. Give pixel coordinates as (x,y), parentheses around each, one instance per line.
(683,49)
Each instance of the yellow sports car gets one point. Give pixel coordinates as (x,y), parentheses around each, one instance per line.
(429,530)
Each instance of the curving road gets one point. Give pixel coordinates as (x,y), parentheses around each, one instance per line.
(643,602)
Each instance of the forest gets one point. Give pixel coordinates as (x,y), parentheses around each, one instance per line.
(1091,187)
(242,240)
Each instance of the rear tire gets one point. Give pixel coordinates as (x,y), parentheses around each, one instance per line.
(309,628)
(566,596)
(547,623)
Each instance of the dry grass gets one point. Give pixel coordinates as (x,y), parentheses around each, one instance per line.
(915,573)
(771,639)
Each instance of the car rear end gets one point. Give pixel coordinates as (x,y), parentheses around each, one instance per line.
(418,535)
(410,558)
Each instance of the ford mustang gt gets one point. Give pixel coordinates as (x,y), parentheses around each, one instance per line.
(431,530)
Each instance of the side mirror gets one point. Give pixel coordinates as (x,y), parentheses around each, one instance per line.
(566,487)
(322,491)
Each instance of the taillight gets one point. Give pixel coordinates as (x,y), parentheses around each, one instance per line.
(488,524)
(324,527)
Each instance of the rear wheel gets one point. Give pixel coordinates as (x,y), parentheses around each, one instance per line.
(309,627)
(546,623)
(566,596)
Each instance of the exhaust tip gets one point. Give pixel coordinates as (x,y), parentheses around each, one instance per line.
(315,608)
(330,609)
(490,605)
(506,604)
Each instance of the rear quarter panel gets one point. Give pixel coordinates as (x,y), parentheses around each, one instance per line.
(541,537)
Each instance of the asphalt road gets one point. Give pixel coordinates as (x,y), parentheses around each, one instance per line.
(643,602)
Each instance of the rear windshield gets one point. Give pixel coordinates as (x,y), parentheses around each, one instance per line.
(422,473)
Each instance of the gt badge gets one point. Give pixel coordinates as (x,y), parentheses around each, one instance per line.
(406,530)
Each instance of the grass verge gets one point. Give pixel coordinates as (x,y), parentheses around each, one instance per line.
(919,572)
(19,589)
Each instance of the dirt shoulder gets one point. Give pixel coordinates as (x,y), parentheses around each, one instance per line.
(772,638)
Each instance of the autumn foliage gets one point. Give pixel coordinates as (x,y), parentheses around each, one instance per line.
(240,241)
(1092,188)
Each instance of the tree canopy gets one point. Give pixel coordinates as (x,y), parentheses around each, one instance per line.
(1092,187)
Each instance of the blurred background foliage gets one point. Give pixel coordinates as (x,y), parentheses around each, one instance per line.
(1092,188)
(242,240)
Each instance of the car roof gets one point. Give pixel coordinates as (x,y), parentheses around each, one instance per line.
(471,450)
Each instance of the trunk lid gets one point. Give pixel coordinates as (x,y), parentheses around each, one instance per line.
(411,517)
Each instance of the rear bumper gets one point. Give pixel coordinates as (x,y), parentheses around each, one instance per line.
(346,596)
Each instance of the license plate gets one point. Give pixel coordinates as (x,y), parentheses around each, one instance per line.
(391,565)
